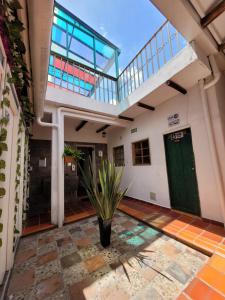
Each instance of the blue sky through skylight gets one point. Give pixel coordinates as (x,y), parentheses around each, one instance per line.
(128,24)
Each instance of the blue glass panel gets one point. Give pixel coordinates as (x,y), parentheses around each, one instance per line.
(85,38)
(63,15)
(59,36)
(70,28)
(51,60)
(59,22)
(81,50)
(104,49)
(58,49)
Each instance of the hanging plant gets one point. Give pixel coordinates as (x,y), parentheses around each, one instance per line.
(12,28)
(4,120)
(18,177)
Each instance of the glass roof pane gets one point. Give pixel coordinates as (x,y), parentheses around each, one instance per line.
(63,15)
(59,22)
(59,36)
(104,49)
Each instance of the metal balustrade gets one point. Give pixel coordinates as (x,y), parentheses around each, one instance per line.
(79,78)
(70,75)
(162,46)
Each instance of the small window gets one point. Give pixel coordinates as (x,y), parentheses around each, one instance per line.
(141,153)
(118,154)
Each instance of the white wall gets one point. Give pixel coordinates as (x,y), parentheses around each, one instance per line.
(153,178)
(86,135)
(216,99)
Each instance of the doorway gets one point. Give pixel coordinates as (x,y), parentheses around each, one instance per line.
(88,156)
(181,172)
(77,203)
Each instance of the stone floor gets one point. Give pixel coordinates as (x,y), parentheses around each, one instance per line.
(69,263)
(204,235)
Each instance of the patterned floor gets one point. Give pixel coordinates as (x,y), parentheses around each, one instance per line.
(69,263)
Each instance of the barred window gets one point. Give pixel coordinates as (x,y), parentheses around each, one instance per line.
(141,152)
(118,155)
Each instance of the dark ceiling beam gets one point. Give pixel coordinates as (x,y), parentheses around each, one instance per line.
(213,14)
(145,106)
(81,125)
(126,118)
(222,47)
(176,86)
(102,128)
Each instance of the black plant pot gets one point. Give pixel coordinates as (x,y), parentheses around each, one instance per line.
(105,231)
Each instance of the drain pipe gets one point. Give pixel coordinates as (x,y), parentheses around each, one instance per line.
(45,124)
(211,137)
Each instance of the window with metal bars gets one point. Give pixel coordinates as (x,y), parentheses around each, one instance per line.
(141,152)
(118,156)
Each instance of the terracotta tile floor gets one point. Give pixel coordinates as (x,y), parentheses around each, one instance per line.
(195,232)
(78,211)
(141,263)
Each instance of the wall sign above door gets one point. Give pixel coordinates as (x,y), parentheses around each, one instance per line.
(173,119)
(177,136)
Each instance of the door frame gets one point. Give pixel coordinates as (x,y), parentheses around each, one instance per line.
(93,155)
(173,130)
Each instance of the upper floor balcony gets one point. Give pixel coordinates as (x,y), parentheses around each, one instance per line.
(86,64)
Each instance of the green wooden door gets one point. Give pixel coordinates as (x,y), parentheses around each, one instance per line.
(181,171)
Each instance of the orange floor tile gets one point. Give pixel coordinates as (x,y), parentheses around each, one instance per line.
(200,234)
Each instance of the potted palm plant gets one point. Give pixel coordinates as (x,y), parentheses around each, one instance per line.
(104,196)
(71,155)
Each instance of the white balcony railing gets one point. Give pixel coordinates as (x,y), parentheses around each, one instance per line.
(70,75)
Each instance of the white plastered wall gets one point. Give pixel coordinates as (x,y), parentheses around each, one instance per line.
(85,135)
(153,178)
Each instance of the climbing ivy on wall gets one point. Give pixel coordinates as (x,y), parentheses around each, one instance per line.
(4,120)
(26,177)
(10,31)
(18,178)
(12,28)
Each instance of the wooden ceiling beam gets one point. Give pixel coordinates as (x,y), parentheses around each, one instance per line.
(81,125)
(213,14)
(176,86)
(102,128)
(126,118)
(145,106)
(221,47)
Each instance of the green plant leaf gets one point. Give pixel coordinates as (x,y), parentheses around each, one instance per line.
(2,164)
(5,102)
(16,231)
(2,192)
(0,242)
(1,227)
(4,121)
(105,195)
(3,134)
(3,147)
(2,177)
(6,90)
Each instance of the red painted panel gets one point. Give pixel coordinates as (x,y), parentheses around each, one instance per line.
(72,70)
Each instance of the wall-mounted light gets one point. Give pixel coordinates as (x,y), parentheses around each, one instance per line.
(103,134)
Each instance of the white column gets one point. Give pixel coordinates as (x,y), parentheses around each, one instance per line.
(54,172)
(60,117)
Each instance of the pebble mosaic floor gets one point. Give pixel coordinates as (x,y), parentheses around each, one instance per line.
(69,263)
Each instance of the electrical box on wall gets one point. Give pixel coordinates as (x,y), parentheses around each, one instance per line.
(152,196)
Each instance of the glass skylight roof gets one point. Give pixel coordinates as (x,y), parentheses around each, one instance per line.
(75,40)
